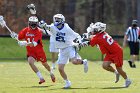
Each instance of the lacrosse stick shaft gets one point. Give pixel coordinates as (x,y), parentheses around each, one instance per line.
(10,31)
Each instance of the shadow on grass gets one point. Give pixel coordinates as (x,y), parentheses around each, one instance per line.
(70,88)
(113,88)
(38,86)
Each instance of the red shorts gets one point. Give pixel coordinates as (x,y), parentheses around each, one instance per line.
(116,58)
(38,55)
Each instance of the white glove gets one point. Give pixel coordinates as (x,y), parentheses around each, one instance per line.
(2,22)
(31,7)
(78,39)
(84,44)
(22,43)
(43,25)
(77,46)
(85,36)
(14,35)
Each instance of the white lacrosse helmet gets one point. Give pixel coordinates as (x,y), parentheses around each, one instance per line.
(33,22)
(58,19)
(97,27)
(33,19)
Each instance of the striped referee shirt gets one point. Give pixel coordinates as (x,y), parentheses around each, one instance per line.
(132,33)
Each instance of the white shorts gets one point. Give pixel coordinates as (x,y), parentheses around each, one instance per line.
(52,47)
(66,54)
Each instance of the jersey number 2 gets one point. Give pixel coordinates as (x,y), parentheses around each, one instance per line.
(108,39)
(60,39)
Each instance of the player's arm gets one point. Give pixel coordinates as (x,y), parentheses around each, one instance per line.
(21,38)
(126,37)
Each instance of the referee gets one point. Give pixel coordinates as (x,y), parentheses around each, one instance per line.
(131,36)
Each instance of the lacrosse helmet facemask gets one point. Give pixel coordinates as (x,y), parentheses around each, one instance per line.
(33,22)
(58,19)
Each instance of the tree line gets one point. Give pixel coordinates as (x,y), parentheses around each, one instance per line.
(117,14)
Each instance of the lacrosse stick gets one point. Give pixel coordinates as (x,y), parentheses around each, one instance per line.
(3,24)
(31,8)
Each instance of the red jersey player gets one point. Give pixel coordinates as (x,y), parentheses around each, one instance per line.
(112,50)
(32,37)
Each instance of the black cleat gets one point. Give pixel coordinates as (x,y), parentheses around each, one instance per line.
(130,63)
(133,65)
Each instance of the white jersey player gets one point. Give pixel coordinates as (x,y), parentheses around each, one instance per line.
(64,36)
(53,50)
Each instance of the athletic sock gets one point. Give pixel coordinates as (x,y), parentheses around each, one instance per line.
(53,64)
(39,75)
(116,72)
(51,72)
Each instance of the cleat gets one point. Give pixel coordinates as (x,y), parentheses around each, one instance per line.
(85,62)
(52,77)
(67,85)
(127,83)
(130,63)
(41,81)
(133,65)
(117,77)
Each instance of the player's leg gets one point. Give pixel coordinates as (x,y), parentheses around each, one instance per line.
(45,64)
(64,75)
(80,61)
(62,61)
(123,74)
(133,49)
(76,59)
(54,56)
(118,59)
(41,56)
(107,66)
(31,61)
(135,53)
(54,52)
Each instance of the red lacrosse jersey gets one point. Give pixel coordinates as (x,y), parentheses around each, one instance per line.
(35,35)
(109,47)
(105,42)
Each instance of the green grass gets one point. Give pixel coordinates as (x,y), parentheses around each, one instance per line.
(10,49)
(17,77)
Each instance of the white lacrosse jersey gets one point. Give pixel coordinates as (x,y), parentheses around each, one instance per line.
(63,38)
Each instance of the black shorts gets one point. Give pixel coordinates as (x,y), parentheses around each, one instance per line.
(134,48)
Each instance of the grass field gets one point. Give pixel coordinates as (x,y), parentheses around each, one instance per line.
(17,77)
(10,49)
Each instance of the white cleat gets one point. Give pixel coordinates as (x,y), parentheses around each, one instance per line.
(85,63)
(117,77)
(127,83)
(67,85)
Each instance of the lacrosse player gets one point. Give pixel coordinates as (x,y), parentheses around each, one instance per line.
(64,36)
(31,37)
(110,48)
(54,51)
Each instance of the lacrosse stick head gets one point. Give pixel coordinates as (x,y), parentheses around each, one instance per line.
(2,22)
(31,8)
